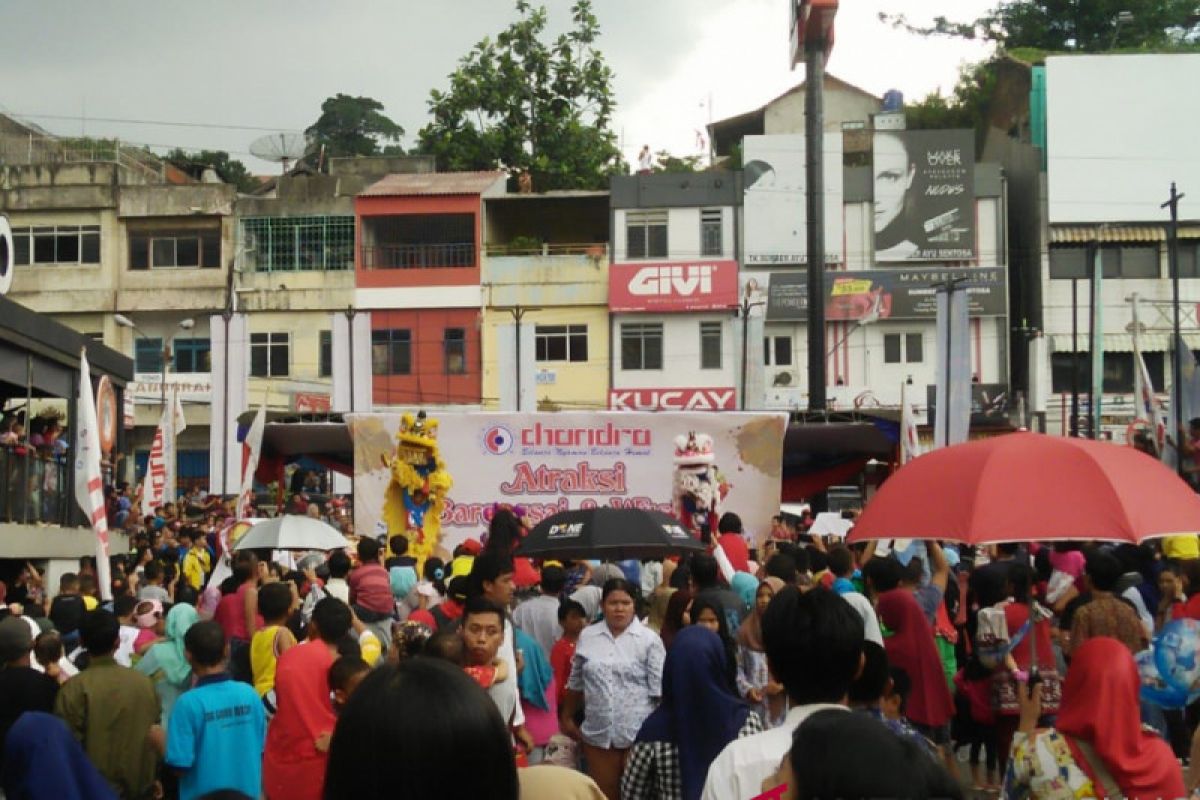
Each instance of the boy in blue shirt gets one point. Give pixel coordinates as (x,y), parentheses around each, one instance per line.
(218,728)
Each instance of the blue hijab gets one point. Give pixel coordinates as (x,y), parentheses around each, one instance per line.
(537,674)
(42,761)
(699,713)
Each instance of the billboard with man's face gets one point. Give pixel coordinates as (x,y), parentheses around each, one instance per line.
(924,195)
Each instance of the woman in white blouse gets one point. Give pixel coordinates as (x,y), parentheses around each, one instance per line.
(616,678)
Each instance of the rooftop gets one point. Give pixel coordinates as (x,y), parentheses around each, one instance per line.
(439,183)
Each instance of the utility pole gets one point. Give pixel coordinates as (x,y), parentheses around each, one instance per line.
(814,162)
(518,313)
(746,306)
(1176,355)
(1074,357)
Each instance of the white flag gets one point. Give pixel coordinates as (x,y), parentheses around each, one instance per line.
(1146,405)
(910,445)
(253,444)
(89,487)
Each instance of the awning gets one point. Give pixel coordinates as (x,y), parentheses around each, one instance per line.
(1123,342)
(1086,234)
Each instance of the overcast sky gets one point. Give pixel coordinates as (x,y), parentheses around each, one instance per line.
(270,63)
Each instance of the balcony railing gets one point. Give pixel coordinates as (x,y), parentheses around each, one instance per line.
(33,487)
(419,256)
(597,251)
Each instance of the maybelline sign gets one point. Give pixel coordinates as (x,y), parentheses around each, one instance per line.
(673,286)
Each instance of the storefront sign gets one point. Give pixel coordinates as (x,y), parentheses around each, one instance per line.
(723,399)
(193,387)
(554,462)
(901,293)
(681,286)
(310,403)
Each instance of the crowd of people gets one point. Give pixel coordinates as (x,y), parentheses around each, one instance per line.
(801,669)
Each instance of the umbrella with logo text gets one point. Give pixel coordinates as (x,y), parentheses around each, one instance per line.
(608,534)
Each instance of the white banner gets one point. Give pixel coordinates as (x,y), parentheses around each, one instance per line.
(554,462)
(89,487)
(231,372)
(953,417)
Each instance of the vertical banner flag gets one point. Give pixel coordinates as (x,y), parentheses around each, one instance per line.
(1146,405)
(953,395)
(1189,397)
(251,449)
(910,445)
(160,467)
(89,489)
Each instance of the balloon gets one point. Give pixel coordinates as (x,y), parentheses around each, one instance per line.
(1170,670)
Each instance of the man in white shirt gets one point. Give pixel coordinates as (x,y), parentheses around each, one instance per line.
(538,616)
(814,647)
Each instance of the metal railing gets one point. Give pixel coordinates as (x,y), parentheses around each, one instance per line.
(419,256)
(33,487)
(596,251)
(31,149)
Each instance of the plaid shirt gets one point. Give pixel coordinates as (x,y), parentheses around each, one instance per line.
(652,771)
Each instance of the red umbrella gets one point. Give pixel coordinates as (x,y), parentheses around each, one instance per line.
(1026,487)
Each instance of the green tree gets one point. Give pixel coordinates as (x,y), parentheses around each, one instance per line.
(665,162)
(1088,26)
(522,104)
(966,107)
(353,126)
(229,169)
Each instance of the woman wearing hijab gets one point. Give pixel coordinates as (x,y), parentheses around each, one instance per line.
(1097,747)
(708,614)
(699,714)
(744,585)
(911,647)
(165,662)
(754,679)
(535,681)
(43,761)
(404,583)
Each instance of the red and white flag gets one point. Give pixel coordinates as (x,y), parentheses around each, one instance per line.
(89,487)
(252,447)
(160,467)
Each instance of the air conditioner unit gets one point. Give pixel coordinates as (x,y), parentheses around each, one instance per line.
(783,378)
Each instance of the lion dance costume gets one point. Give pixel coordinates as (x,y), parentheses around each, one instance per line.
(417,492)
(698,486)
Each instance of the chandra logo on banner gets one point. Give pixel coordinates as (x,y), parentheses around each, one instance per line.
(672,399)
(685,286)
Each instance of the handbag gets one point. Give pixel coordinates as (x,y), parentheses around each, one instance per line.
(1005,688)
(1100,772)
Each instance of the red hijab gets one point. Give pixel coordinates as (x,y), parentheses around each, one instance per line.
(1100,706)
(911,648)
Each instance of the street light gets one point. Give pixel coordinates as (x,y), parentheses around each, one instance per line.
(1122,18)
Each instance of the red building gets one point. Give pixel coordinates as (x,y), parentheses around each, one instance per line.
(417,267)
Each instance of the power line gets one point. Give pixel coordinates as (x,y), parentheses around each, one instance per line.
(212,125)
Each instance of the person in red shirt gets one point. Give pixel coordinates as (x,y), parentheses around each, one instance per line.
(733,542)
(572,618)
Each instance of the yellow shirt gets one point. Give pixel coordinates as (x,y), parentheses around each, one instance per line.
(195,567)
(90,603)
(263,659)
(1182,548)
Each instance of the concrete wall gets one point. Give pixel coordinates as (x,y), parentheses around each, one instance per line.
(681,353)
(842,104)
(683,235)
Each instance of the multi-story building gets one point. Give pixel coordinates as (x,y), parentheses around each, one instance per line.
(418,272)
(673,291)
(129,251)
(1107,174)
(545,337)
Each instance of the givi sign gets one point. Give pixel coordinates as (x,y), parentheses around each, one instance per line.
(674,286)
(722,399)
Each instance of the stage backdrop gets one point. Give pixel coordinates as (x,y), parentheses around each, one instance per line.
(555,462)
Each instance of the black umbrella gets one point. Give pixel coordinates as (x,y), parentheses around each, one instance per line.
(608,534)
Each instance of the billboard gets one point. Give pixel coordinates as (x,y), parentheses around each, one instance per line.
(924,184)
(686,399)
(776,228)
(904,293)
(554,462)
(1115,161)
(678,286)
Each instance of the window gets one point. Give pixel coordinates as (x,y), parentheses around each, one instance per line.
(391,352)
(561,342)
(710,232)
(454,346)
(147,355)
(777,351)
(1119,261)
(171,249)
(642,345)
(193,355)
(57,244)
(325,354)
(270,354)
(1189,260)
(903,348)
(288,244)
(1118,371)
(646,234)
(710,345)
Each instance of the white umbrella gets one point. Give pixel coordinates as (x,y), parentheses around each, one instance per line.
(291,532)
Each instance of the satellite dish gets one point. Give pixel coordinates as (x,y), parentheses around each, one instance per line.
(282,148)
